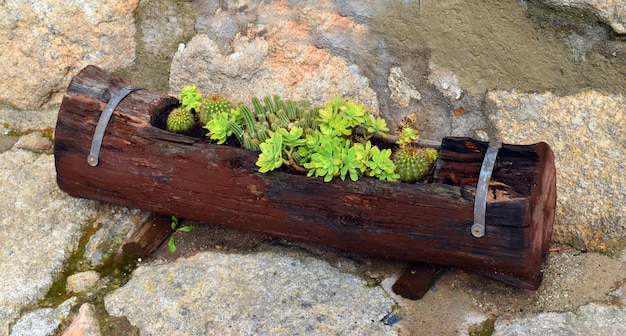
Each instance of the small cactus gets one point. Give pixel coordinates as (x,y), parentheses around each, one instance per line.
(180,120)
(212,105)
(413,163)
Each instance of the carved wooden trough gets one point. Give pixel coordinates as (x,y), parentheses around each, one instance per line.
(144,166)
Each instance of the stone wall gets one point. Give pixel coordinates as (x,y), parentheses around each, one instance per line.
(46,42)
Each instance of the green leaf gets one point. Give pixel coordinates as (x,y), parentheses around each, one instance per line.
(186,228)
(375,125)
(174,222)
(218,128)
(326,161)
(293,137)
(190,97)
(271,153)
(381,165)
(330,110)
(353,113)
(407,136)
(352,163)
(337,126)
(171,245)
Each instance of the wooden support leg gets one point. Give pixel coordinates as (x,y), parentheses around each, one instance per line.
(149,235)
(417,280)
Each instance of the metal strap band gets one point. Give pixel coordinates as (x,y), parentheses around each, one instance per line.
(480,201)
(96,142)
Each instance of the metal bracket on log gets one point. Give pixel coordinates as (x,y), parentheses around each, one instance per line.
(480,202)
(96,142)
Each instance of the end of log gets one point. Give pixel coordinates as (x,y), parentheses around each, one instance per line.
(417,279)
(149,236)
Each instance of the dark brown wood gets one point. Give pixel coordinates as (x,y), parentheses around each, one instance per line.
(149,235)
(146,167)
(417,279)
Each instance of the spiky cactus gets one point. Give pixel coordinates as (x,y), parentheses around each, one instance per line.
(211,106)
(413,163)
(180,120)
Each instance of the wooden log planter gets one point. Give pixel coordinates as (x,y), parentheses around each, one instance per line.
(144,166)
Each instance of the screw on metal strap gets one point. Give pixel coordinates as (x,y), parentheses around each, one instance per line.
(96,142)
(480,201)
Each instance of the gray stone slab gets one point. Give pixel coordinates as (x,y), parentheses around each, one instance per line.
(42,322)
(39,229)
(592,319)
(266,293)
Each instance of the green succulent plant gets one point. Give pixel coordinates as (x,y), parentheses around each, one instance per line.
(375,125)
(381,166)
(171,245)
(413,163)
(271,156)
(329,142)
(219,127)
(190,97)
(180,120)
(211,106)
(326,159)
(353,160)
(407,136)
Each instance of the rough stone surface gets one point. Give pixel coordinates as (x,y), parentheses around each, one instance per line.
(39,228)
(592,319)
(34,142)
(445,80)
(85,324)
(573,279)
(266,293)
(611,12)
(402,91)
(42,322)
(450,311)
(12,120)
(586,132)
(44,43)
(163,25)
(266,48)
(116,225)
(6,142)
(81,281)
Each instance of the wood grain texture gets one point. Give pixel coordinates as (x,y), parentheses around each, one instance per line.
(147,167)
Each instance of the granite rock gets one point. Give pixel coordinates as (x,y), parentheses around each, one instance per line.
(116,224)
(39,229)
(611,12)
(162,25)
(266,48)
(7,141)
(23,121)
(34,142)
(85,324)
(592,319)
(46,42)
(42,322)
(279,291)
(586,133)
(81,281)
(444,80)
(402,91)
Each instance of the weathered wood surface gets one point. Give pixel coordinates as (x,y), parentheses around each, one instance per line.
(417,279)
(149,235)
(147,167)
